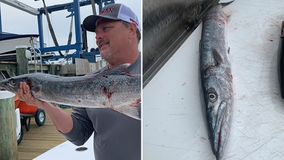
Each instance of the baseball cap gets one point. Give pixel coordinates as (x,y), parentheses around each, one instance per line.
(112,11)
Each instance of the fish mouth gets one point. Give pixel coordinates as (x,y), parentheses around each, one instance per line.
(7,87)
(218,138)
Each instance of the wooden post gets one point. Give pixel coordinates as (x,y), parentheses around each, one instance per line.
(8,138)
(22,67)
(52,69)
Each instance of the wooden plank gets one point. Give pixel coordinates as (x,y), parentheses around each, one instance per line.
(39,139)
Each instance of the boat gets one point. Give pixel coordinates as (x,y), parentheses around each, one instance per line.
(8,41)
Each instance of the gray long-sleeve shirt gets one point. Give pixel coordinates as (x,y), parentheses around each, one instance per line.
(116,136)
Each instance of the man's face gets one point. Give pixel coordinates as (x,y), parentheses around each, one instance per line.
(111,38)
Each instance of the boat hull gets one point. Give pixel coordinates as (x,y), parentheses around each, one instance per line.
(8,42)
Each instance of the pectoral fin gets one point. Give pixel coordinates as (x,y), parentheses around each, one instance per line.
(36,89)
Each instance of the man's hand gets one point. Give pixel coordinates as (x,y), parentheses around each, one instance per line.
(24,94)
(61,119)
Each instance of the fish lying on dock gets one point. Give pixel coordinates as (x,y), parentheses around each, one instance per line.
(216,78)
(281,61)
(113,88)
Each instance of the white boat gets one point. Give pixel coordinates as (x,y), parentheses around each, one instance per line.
(9,41)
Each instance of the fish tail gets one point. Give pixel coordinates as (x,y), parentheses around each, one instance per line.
(226,3)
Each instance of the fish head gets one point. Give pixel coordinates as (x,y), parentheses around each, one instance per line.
(13,84)
(213,103)
(217,116)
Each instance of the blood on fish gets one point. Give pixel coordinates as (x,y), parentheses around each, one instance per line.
(29,82)
(107,92)
(215,18)
(128,74)
(134,104)
(219,140)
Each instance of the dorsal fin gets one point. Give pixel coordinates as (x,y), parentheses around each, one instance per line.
(217,57)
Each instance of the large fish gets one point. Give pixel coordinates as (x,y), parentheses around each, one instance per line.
(113,88)
(216,78)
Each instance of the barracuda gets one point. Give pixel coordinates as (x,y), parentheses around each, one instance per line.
(113,88)
(216,78)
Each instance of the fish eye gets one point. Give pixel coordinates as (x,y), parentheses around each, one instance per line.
(12,82)
(212,97)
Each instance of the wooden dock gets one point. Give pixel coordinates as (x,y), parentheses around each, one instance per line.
(39,139)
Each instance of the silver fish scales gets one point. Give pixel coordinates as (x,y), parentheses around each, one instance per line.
(216,78)
(113,88)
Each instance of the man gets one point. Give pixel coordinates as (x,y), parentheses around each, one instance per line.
(116,136)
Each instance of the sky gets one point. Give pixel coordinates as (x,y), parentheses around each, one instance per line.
(20,22)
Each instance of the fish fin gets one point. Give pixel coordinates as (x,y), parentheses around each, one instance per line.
(226,3)
(217,57)
(118,70)
(228,16)
(37,88)
(131,111)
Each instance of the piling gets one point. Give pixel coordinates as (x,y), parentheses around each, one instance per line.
(22,66)
(8,138)
(52,69)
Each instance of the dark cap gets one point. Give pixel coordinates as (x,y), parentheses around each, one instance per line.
(112,11)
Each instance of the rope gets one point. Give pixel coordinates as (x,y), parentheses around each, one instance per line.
(50,27)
